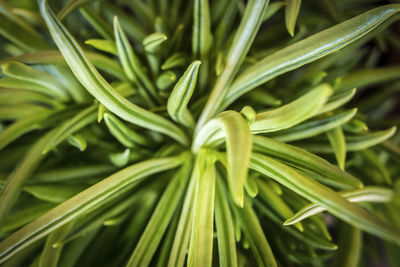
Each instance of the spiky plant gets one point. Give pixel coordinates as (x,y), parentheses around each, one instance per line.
(166,133)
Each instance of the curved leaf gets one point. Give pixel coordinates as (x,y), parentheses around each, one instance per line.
(99,193)
(317,193)
(98,86)
(291,11)
(308,50)
(181,94)
(366,194)
(293,113)
(234,128)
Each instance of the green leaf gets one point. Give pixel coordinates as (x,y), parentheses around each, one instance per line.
(157,225)
(123,133)
(152,43)
(183,231)
(313,127)
(330,200)
(276,202)
(181,94)
(55,57)
(350,247)
(103,45)
(338,143)
(233,127)
(24,169)
(291,12)
(241,43)
(120,159)
(77,141)
(201,239)
(26,40)
(338,99)
(23,216)
(366,194)
(98,194)
(175,60)
(51,252)
(369,77)
(374,161)
(130,62)
(273,9)
(308,237)
(70,6)
(254,233)
(98,23)
(308,50)
(201,35)
(21,127)
(165,80)
(54,193)
(353,143)
(71,126)
(23,72)
(293,113)
(225,228)
(98,86)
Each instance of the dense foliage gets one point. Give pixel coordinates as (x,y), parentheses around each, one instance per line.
(225,133)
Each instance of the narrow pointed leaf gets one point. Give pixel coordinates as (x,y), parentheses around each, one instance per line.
(162,215)
(54,193)
(254,233)
(152,43)
(130,62)
(291,12)
(98,86)
(317,193)
(241,43)
(309,49)
(181,94)
(293,113)
(103,45)
(71,126)
(225,229)
(338,143)
(99,193)
(201,36)
(366,194)
(23,72)
(353,143)
(313,127)
(301,158)
(183,231)
(123,133)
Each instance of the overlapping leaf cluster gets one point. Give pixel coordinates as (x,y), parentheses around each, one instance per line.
(166,133)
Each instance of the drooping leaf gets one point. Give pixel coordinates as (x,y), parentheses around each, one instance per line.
(231,126)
